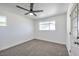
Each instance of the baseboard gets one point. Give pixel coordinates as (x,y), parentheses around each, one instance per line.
(15,45)
(68,51)
(27,41)
(50,41)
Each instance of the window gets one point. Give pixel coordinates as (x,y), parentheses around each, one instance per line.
(3,21)
(47,25)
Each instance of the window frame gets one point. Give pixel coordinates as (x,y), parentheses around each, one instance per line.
(49,22)
(4,21)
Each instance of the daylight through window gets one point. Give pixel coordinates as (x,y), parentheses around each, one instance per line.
(3,21)
(47,25)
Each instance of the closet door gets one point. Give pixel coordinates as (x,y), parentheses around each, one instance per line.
(75,31)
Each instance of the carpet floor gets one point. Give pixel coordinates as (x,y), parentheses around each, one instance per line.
(36,48)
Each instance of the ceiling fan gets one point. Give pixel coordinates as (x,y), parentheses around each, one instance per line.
(31,11)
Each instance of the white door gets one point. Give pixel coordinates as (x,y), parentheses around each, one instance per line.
(74,31)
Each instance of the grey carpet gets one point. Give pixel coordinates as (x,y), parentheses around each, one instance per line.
(36,48)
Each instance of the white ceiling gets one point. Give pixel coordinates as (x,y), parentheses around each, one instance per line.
(50,9)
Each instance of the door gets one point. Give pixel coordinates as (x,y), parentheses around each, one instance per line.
(74,31)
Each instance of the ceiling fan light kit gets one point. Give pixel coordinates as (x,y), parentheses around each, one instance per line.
(31,14)
(31,11)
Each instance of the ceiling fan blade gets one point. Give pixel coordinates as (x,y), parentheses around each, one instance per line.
(31,6)
(38,11)
(34,14)
(22,8)
(26,13)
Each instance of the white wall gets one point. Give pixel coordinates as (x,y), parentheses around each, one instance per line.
(19,30)
(59,35)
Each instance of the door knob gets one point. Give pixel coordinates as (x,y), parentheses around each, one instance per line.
(77,37)
(76,43)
